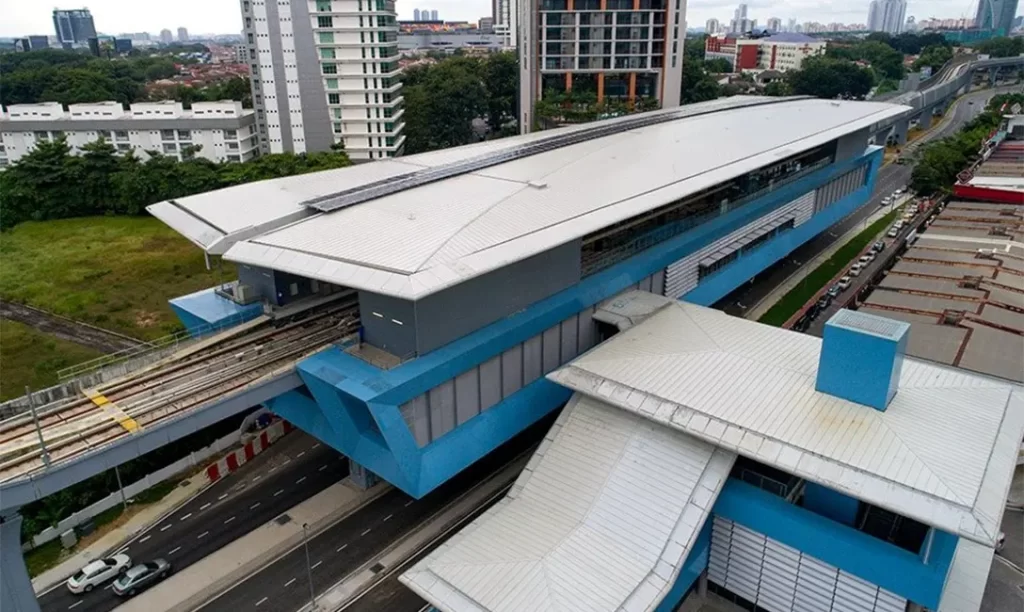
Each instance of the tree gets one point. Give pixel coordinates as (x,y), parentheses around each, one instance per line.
(161,70)
(717,65)
(698,85)
(501,81)
(1002,46)
(934,57)
(826,77)
(777,88)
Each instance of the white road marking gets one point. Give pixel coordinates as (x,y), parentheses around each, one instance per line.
(141,540)
(343,547)
(261,601)
(186,516)
(387,517)
(409,503)
(165,527)
(301,453)
(255,478)
(229,520)
(174,551)
(109,586)
(279,492)
(223,496)
(317,445)
(75,605)
(202,535)
(316,565)
(322,468)
(299,481)
(204,506)
(286,461)
(254,506)
(366,532)
(290,582)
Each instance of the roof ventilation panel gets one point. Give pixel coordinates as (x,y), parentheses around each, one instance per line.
(861,358)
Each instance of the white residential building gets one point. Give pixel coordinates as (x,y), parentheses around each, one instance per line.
(506,21)
(325,71)
(218,131)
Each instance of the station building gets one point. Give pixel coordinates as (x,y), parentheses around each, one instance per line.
(479,270)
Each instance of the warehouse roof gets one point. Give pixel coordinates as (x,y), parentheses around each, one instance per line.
(420,240)
(942,452)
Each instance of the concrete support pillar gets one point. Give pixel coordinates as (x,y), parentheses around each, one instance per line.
(993,76)
(702,585)
(900,131)
(360,476)
(925,120)
(16,594)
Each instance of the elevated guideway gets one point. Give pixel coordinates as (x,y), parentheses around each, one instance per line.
(106,425)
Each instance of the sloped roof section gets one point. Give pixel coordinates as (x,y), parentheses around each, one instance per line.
(601,519)
(942,453)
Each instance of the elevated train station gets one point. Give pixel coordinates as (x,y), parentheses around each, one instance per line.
(457,281)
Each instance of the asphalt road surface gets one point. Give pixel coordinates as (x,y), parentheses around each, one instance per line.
(283,586)
(890,178)
(287,473)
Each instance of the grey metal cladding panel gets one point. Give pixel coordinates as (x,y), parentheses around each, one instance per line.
(442,409)
(458,311)
(316,122)
(588,330)
(512,370)
(490,383)
(378,313)
(415,414)
(658,285)
(551,349)
(131,125)
(260,279)
(280,82)
(852,145)
(569,347)
(467,395)
(532,360)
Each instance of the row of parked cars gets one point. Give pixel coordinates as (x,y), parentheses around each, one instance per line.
(128,579)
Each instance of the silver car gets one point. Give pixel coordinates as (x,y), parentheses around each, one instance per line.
(142,576)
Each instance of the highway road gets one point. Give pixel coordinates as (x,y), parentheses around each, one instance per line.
(286,474)
(283,586)
(889,179)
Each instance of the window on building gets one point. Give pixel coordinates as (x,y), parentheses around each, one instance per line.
(245,6)
(184,135)
(233,158)
(170,147)
(231,134)
(122,147)
(326,37)
(323,6)
(331,83)
(121,135)
(327,53)
(330,68)
(334,98)
(104,134)
(40,136)
(232,146)
(166,134)
(325,21)
(336,113)
(337,127)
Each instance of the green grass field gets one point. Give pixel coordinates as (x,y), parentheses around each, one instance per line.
(795,299)
(29,357)
(113,272)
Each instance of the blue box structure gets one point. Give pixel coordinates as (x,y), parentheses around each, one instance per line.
(862,357)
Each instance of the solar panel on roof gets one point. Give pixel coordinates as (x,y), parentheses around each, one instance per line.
(418,178)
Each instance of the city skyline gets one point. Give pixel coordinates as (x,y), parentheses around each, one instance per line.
(222,16)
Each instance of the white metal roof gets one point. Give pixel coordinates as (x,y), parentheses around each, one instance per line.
(968,575)
(421,240)
(602,519)
(942,453)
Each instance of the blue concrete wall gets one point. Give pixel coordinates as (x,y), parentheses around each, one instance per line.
(695,564)
(361,402)
(203,310)
(833,504)
(858,553)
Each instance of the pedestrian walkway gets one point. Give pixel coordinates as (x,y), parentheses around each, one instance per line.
(756,311)
(133,527)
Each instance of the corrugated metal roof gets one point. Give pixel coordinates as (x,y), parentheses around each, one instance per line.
(602,518)
(941,453)
(968,575)
(421,240)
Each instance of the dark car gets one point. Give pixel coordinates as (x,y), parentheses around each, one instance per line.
(824,302)
(142,576)
(878,247)
(834,291)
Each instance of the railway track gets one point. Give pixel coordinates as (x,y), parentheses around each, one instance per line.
(184,382)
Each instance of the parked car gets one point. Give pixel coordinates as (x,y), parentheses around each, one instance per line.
(866,259)
(97,572)
(878,247)
(886,201)
(142,576)
(834,291)
(893,233)
(855,269)
(844,283)
(897,192)
(898,225)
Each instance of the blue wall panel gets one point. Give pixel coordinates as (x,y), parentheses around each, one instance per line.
(858,553)
(203,310)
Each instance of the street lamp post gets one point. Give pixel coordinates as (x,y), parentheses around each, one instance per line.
(309,568)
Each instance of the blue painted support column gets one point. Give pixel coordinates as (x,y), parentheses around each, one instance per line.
(16,593)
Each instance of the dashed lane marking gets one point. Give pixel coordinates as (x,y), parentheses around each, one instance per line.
(186,516)
(229,520)
(108,587)
(317,445)
(279,492)
(366,532)
(301,453)
(165,527)
(255,478)
(299,481)
(409,503)
(174,551)
(222,496)
(202,535)
(261,601)
(143,539)
(343,547)
(290,582)
(322,468)
(204,506)
(254,506)
(387,517)
(74,605)
(316,565)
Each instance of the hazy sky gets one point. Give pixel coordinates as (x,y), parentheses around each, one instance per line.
(223,16)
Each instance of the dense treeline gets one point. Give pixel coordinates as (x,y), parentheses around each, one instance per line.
(1003,46)
(52,183)
(70,77)
(939,162)
(443,99)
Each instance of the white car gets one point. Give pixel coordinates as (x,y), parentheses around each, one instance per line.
(844,283)
(97,572)
(893,233)
(866,259)
(855,269)
(897,192)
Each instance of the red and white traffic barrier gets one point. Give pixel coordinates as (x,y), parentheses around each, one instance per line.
(237,458)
